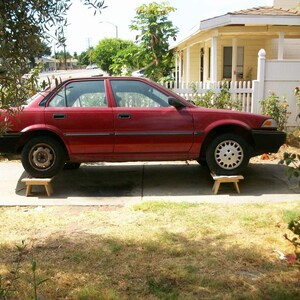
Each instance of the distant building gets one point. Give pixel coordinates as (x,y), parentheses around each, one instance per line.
(49,63)
(71,63)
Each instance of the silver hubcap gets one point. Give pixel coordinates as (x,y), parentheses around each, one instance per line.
(229,154)
(42,156)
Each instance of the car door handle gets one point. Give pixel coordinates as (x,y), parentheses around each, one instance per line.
(59,116)
(124,116)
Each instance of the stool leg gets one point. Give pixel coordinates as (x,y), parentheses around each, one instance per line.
(216,186)
(28,190)
(49,189)
(236,185)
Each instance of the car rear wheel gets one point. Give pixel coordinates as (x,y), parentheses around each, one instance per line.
(43,157)
(228,154)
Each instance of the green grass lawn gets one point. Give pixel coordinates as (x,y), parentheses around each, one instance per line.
(153,250)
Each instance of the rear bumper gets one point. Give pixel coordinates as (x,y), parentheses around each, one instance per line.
(9,143)
(267,141)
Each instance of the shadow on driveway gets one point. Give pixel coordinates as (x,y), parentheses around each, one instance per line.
(121,184)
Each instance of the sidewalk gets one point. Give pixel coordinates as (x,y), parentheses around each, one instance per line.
(129,183)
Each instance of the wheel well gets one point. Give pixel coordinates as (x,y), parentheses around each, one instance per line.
(41,133)
(242,132)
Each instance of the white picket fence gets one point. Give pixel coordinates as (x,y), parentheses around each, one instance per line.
(241,91)
(276,76)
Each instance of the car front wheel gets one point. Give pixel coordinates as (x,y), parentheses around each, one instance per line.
(228,154)
(43,157)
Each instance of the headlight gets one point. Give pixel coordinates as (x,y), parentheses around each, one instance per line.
(269,123)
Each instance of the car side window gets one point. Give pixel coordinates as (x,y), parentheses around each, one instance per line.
(80,94)
(137,94)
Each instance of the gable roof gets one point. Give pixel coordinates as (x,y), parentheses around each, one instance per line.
(264,15)
(267,10)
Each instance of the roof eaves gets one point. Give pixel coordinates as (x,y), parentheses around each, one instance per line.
(254,16)
(236,19)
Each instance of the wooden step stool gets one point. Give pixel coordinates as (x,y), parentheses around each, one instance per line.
(223,178)
(46,182)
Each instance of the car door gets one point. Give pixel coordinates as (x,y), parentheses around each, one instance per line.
(146,125)
(80,112)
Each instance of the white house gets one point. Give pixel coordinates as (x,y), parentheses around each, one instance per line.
(226,47)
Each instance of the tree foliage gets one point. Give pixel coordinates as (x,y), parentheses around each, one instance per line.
(155,31)
(23,35)
(127,60)
(106,51)
(84,58)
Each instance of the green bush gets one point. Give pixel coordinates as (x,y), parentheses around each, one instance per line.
(210,99)
(292,161)
(294,226)
(277,109)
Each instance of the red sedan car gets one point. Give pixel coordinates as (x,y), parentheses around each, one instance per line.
(118,119)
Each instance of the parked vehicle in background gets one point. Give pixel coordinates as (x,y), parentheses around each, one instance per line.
(138,73)
(91,67)
(118,119)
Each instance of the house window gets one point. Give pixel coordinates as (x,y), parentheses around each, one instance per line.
(227,62)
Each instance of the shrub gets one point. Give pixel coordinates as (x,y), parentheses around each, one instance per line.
(221,100)
(294,226)
(278,110)
(292,160)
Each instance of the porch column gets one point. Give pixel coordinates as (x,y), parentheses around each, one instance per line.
(280,45)
(180,68)
(213,59)
(176,69)
(234,59)
(188,65)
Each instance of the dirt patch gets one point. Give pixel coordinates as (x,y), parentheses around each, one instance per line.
(277,156)
(293,139)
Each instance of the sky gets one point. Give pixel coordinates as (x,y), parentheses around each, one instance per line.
(86,30)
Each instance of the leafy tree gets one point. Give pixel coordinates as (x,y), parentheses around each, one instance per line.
(105,52)
(85,58)
(128,60)
(44,50)
(155,31)
(23,26)
(61,55)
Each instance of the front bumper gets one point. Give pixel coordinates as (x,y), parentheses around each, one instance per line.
(9,143)
(267,141)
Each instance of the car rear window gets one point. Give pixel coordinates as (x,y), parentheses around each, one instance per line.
(80,94)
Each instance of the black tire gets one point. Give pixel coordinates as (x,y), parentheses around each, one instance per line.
(43,157)
(72,166)
(202,162)
(228,154)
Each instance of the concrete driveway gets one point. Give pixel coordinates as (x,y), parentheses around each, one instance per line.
(128,183)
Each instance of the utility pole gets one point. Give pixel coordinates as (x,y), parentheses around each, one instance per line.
(65,53)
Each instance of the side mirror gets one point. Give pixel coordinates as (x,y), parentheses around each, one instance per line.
(175,102)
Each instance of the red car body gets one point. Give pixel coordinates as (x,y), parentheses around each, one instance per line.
(120,119)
